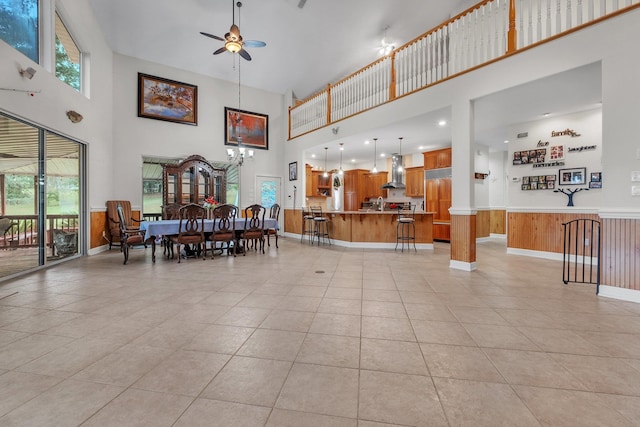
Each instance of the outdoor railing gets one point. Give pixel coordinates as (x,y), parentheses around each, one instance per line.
(24,230)
(490,30)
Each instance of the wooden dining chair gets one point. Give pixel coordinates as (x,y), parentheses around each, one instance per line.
(169,211)
(113,219)
(128,236)
(191,229)
(253,227)
(274,213)
(225,228)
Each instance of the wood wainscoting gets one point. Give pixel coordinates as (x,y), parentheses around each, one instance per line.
(620,256)
(483,223)
(540,231)
(99,226)
(498,222)
(463,242)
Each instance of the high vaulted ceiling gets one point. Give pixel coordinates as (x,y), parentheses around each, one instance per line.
(322,42)
(307,47)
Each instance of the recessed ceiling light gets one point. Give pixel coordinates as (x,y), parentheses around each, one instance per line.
(341,148)
(366,142)
(506,141)
(421,147)
(313,156)
(382,154)
(353,160)
(442,122)
(546,114)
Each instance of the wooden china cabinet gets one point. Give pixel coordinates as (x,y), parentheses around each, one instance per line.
(193,180)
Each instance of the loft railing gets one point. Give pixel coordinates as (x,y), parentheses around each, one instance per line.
(488,31)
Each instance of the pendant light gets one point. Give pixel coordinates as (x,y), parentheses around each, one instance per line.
(325,174)
(399,169)
(375,154)
(341,172)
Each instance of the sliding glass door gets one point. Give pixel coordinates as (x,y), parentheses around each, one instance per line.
(41,200)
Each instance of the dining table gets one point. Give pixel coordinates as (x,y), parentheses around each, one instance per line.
(153,230)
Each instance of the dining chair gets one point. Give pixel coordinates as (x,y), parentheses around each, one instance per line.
(128,236)
(253,227)
(191,229)
(274,213)
(224,229)
(169,211)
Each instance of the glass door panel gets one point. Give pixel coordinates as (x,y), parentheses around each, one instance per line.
(19,210)
(62,197)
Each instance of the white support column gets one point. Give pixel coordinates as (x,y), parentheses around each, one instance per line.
(463,213)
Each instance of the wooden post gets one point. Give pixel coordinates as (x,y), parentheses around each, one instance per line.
(512,34)
(328,103)
(289,125)
(392,87)
(3,198)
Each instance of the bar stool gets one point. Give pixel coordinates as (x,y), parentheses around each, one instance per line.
(406,227)
(321,226)
(308,226)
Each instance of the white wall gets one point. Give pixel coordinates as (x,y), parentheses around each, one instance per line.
(589,125)
(48,107)
(481,186)
(135,137)
(497,180)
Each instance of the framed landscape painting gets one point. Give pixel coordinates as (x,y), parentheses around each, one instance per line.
(251,129)
(168,100)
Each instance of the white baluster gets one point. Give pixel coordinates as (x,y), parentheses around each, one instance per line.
(569,26)
(579,13)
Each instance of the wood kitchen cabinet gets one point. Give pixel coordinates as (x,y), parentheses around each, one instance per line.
(354,184)
(373,185)
(437,159)
(414,181)
(316,185)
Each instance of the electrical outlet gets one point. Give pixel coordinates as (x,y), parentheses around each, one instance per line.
(586,242)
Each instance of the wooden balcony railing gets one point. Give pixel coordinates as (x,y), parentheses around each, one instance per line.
(488,31)
(24,230)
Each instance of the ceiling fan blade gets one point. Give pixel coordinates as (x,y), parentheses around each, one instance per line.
(235,30)
(212,36)
(245,54)
(254,43)
(219,51)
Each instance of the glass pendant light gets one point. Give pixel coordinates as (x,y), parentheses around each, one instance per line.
(400,155)
(341,172)
(375,154)
(326,173)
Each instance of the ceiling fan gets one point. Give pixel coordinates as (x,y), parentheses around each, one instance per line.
(233,41)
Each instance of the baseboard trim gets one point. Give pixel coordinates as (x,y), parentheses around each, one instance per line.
(623,294)
(535,254)
(366,245)
(464,266)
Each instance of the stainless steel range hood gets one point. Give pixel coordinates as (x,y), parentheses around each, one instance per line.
(396,173)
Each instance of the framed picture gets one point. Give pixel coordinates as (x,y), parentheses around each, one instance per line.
(557,152)
(575,176)
(596,177)
(168,100)
(251,128)
(595,184)
(293,171)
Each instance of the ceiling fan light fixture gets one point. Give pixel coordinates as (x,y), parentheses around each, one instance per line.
(233,46)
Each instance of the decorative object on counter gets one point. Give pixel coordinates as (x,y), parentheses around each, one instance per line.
(375,154)
(169,100)
(210,203)
(293,171)
(575,176)
(539,182)
(569,193)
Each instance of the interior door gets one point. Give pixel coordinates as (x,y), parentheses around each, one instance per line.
(269,189)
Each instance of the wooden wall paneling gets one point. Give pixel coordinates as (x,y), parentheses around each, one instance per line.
(98,226)
(293,221)
(620,257)
(483,223)
(498,221)
(463,238)
(539,231)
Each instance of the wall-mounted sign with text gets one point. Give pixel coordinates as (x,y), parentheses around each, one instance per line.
(566,132)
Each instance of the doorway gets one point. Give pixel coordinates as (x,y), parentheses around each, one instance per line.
(269,190)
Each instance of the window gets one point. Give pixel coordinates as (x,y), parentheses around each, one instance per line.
(67,56)
(19,26)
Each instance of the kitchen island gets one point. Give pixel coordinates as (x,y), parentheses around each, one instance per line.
(364,228)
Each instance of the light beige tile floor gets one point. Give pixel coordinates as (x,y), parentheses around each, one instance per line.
(315,336)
